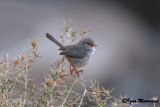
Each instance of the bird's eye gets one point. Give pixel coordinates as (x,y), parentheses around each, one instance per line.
(88,49)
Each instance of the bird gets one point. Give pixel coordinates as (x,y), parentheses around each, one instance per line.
(77,54)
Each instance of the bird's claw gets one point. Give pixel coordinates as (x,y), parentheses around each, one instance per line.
(77,72)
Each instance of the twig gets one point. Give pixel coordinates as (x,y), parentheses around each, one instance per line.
(83,95)
(68,93)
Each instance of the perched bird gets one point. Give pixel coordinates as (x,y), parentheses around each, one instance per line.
(77,54)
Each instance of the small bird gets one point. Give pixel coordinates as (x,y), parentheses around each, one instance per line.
(77,54)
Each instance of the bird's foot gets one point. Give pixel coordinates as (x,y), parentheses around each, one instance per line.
(81,71)
(77,72)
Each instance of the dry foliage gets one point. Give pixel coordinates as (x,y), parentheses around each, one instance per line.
(17,90)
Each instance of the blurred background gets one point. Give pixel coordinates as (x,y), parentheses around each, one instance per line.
(127,33)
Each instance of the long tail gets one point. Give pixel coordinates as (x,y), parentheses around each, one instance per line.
(50,37)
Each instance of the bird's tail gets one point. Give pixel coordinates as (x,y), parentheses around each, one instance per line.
(50,37)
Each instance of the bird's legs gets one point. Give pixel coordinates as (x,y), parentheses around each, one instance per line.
(71,70)
(75,69)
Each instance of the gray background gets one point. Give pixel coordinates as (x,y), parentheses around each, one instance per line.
(126,32)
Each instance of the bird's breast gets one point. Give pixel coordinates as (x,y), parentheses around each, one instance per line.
(78,62)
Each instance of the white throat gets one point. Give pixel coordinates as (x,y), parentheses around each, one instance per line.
(93,50)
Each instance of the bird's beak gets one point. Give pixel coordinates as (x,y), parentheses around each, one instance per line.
(94,45)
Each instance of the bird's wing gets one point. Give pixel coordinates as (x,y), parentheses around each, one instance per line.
(74,51)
